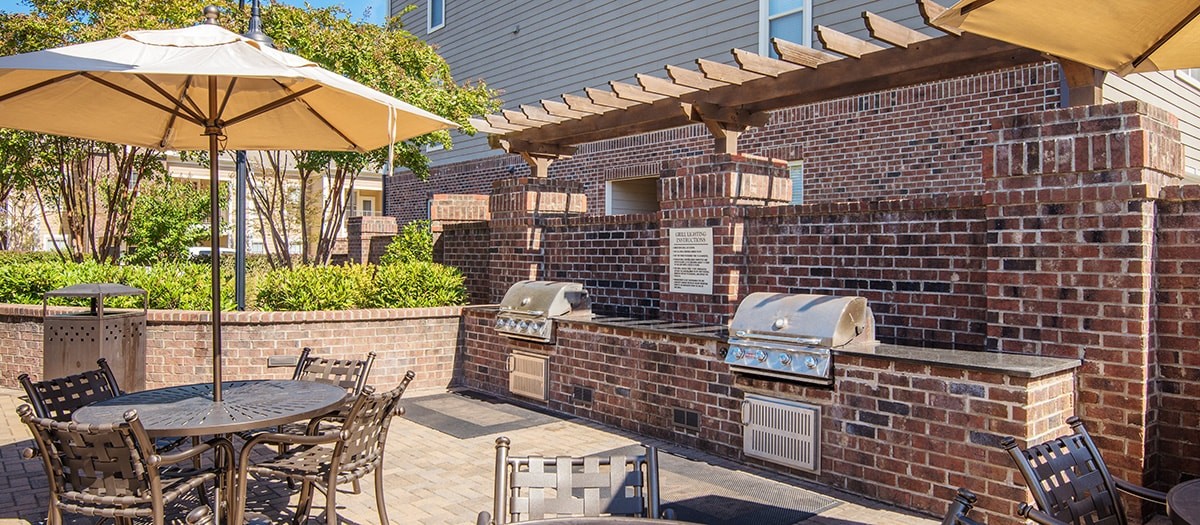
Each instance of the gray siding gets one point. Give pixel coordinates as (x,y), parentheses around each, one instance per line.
(1166,91)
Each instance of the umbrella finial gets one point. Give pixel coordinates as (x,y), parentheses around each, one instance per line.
(254,28)
(210,14)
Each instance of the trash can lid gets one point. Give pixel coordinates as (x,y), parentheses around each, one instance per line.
(96,290)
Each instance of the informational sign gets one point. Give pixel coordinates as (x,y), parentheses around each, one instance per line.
(692,260)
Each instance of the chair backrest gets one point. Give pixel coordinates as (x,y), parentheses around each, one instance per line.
(535,487)
(1068,478)
(956,514)
(366,426)
(350,374)
(58,398)
(96,470)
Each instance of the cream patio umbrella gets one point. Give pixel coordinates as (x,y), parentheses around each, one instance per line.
(1121,36)
(200,88)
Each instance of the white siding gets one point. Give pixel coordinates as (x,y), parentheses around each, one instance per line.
(1167,92)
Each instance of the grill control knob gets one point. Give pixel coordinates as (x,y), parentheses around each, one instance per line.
(785,359)
(760,355)
(737,352)
(810,362)
(499,323)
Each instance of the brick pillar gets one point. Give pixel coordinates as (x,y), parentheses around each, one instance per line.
(362,232)
(518,208)
(1071,215)
(708,193)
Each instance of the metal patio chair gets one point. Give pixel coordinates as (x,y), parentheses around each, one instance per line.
(534,487)
(350,374)
(1031,513)
(324,459)
(1070,483)
(956,514)
(58,398)
(113,470)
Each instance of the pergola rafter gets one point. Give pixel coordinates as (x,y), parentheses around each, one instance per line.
(729,99)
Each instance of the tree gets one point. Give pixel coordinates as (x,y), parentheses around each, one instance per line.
(19,165)
(90,185)
(387,58)
(168,217)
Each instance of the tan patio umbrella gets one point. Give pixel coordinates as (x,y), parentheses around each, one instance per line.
(1122,36)
(198,88)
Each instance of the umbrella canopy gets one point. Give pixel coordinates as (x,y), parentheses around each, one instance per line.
(196,88)
(1121,36)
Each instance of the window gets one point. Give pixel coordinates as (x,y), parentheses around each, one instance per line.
(789,20)
(796,172)
(366,207)
(625,196)
(435,14)
(1189,76)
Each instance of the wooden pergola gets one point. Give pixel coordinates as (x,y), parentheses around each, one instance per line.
(731,99)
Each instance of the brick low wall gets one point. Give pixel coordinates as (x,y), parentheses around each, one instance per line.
(179,343)
(905,431)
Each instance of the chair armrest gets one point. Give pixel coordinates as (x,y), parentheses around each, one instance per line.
(1031,513)
(484,518)
(214,443)
(291,439)
(1139,491)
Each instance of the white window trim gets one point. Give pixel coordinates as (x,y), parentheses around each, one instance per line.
(1192,81)
(764,25)
(793,166)
(429,27)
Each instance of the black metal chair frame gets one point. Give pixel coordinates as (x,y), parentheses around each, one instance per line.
(580,486)
(956,514)
(58,398)
(1070,482)
(114,471)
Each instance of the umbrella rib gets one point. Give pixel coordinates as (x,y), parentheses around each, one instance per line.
(273,105)
(110,85)
(38,86)
(1178,27)
(225,101)
(197,117)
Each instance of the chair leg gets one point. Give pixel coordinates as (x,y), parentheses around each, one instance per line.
(302,508)
(383,519)
(331,515)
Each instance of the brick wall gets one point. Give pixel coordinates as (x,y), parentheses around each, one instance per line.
(1177,328)
(367,238)
(918,140)
(618,260)
(178,343)
(903,432)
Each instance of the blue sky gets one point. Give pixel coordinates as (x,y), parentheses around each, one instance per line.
(356,7)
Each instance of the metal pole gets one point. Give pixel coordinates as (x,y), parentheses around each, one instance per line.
(254,32)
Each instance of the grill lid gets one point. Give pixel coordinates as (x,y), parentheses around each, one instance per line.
(819,320)
(545,298)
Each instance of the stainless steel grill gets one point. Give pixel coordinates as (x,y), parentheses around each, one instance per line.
(528,308)
(792,336)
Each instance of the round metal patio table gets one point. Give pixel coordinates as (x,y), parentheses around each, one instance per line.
(1183,503)
(188,410)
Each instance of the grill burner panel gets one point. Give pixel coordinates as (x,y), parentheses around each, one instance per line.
(528,307)
(792,336)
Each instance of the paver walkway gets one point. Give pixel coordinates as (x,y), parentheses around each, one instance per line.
(439,470)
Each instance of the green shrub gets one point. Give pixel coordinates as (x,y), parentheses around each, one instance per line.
(315,288)
(413,244)
(14,257)
(418,285)
(172,286)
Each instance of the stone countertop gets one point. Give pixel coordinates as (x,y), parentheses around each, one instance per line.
(1020,365)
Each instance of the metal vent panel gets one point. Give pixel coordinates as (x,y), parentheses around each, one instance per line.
(527,375)
(781,431)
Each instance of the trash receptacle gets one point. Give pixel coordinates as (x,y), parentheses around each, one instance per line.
(73,341)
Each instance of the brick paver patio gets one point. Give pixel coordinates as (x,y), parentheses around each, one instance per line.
(434,478)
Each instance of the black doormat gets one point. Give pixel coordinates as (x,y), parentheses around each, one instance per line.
(469,415)
(701,493)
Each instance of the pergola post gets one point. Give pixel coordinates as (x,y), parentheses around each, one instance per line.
(539,166)
(1085,84)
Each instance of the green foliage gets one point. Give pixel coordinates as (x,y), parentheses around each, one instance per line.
(315,288)
(181,286)
(418,285)
(16,257)
(413,244)
(168,217)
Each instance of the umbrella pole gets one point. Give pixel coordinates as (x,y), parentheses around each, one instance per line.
(214,209)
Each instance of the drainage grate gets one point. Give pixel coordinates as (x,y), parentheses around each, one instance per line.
(527,375)
(783,432)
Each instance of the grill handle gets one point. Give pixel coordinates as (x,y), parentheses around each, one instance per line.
(745,413)
(508,363)
(539,313)
(810,340)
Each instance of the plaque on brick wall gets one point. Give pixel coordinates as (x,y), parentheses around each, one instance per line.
(692,260)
